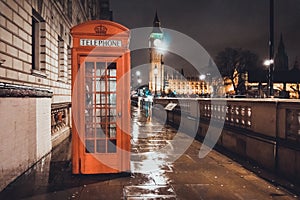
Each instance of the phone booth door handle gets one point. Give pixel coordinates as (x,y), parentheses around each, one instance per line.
(119,114)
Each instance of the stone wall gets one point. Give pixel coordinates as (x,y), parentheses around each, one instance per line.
(24,136)
(32,29)
(16,43)
(16,28)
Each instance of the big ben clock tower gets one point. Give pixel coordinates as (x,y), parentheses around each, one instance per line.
(156,75)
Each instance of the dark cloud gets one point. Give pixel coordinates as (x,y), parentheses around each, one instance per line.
(217,24)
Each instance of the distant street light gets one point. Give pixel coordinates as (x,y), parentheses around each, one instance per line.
(138,73)
(139,81)
(202,77)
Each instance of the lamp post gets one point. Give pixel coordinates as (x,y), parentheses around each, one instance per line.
(155,71)
(138,73)
(271,50)
(269,64)
(161,75)
(202,78)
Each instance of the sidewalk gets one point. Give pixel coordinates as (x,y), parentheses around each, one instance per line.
(156,173)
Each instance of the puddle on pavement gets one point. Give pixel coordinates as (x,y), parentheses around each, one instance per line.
(149,192)
(53,173)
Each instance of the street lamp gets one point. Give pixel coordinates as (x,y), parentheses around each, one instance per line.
(138,73)
(155,71)
(139,81)
(269,64)
(202,77)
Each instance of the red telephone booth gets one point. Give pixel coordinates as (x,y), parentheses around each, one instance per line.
(100,98)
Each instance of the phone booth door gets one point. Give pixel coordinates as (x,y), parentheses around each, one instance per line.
(101,140)
(102,136)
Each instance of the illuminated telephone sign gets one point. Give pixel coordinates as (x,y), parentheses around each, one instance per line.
(100,98)
(100,43)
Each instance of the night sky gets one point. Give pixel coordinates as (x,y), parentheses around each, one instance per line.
(217,24)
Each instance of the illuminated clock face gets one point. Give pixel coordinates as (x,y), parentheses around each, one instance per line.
(157,42)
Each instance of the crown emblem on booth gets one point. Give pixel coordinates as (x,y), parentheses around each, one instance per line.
(100,30)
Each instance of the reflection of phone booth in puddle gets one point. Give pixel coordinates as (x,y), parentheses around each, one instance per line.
(100,98)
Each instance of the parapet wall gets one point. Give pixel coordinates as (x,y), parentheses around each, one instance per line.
(266,131)
(25,135)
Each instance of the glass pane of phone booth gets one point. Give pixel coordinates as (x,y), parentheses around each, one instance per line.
(100,107)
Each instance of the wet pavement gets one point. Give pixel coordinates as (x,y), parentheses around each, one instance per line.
(161,168)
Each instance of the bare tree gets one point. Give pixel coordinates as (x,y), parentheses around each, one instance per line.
(233,64)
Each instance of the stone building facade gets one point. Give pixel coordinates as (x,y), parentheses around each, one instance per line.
(189,86)
(35,78)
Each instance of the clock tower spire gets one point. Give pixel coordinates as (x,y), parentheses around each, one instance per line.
(156,22)
(156,75)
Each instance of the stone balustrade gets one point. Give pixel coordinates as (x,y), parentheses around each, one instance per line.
(266,131)
(60,122)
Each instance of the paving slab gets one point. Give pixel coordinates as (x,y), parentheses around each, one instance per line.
(161,168)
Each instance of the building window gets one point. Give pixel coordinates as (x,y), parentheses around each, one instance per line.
(61,27)
(69,64)
(38,42)
(70,10)
(62,60)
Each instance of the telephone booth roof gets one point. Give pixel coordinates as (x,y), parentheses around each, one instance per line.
(99,27)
